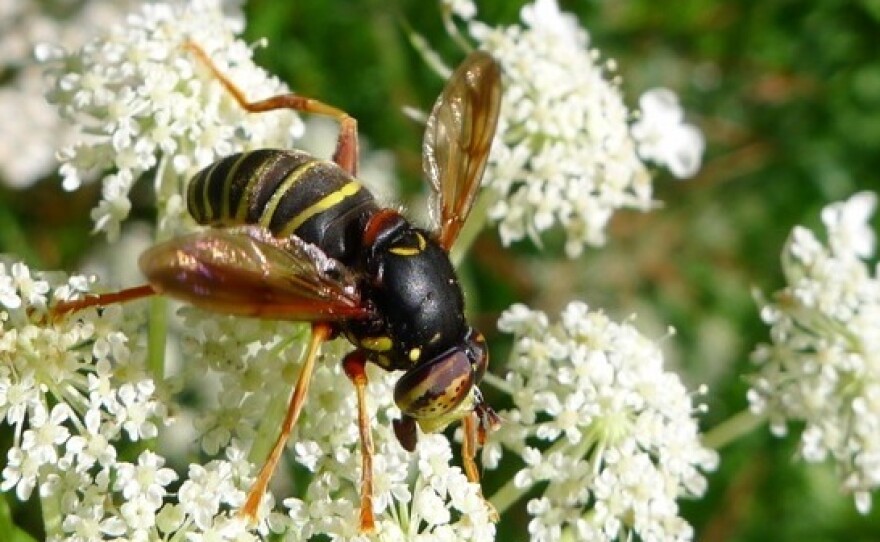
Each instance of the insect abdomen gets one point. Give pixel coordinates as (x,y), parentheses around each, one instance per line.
(288,192)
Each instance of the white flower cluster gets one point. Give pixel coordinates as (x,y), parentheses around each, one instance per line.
(143,102)
(416,496)
(133,501)
(625,444)
(822,365)
(68,387)
(30,129)
(73,388)
(565,152)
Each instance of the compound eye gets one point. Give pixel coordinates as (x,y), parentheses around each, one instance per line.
(435,387)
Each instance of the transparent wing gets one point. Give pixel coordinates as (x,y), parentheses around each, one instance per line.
(457,140)
(246,271)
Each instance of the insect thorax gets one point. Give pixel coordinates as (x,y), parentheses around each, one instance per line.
(417,295)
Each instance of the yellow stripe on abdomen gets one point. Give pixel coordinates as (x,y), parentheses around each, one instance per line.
(327,202)
(294,177)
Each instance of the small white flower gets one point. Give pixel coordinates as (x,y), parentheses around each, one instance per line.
(18,397)
(390,484)
(663,137)
(430,507)
(32,292)
(146,480)
(41,441)
(9,297)
(92,445)
(136,410)
(20,472)
(847,223)
(139,514)
(205,489)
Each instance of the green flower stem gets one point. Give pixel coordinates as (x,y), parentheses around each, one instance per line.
(8,527)
(509,494)
(52,516)
(452,30)
(157,334)
(498,383)
(475,223)
(267,431)
(732,429)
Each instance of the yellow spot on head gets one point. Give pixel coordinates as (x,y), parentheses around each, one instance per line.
(415,354)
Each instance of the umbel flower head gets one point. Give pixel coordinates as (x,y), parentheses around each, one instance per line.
(566,151)
(142,103)
(600,422)
(822,364)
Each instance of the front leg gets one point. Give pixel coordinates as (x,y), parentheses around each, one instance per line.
(354,366)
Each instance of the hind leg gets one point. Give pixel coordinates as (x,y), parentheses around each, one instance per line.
(346,154)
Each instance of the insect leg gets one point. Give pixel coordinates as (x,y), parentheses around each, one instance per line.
(320,333)
(102,300)
(354,365)
(346,154)
(473,435)
(469,448)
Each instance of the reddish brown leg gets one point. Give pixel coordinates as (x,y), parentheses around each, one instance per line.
(346,155)
(472,435)
(354,365)
(320,333)
(469,447)
(102,300)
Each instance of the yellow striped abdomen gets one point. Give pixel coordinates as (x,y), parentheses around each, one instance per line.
(289,192)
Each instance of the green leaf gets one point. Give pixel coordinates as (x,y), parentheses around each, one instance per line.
(10,531)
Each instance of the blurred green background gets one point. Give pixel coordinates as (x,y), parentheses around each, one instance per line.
(787,94)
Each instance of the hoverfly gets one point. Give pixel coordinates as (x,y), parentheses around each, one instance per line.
(293,237)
